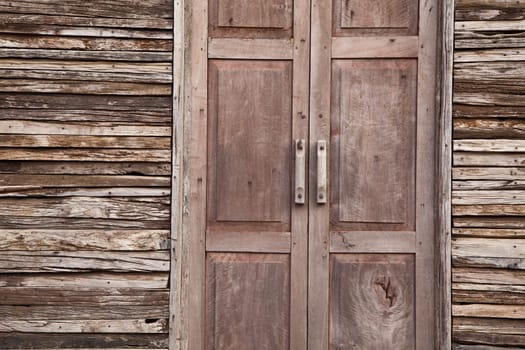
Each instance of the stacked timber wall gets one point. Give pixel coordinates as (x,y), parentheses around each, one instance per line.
(488,249)
(85,139)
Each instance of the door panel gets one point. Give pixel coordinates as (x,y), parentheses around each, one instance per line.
(250,138)
(373,138)
(374,17)
(372,301)
(248,301)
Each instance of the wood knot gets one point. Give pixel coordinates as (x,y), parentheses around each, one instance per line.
(386,285)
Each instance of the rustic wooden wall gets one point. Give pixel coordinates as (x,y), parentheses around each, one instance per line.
(85,139)
(488,249)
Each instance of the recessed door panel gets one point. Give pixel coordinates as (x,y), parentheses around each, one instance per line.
(372,301)
(248,301)
(250,108)
(374,142)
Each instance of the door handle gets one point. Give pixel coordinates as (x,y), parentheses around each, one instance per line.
(321,171)
(300,170)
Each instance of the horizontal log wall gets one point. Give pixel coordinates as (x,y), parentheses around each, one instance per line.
(488,198)
(85,140)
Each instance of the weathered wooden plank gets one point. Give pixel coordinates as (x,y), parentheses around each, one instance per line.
(95,8)
(489,159)
(488,72)
(134,208)
(461,4)
(86,326)
(492,12)
(89,154)
(100,129)
(121,341)
(514,54)
(488,247)
(36,222)
(490,339)
(36,191)
(83,261)
(466,111)
(489,128)
(488,185)
(82,87)
(87,181)
(488,197)
(150,280)
(483,98)
(20,41)
(456,346)
(88,102)
(487,209)
(71,240)
(488,173)
(489,325)
(69,141)
(489,262)
(491,297)
(488,276)
(142,56)
(72,75)
(153,116)
(483,145)
(80,296)
(495,233)
(489,310)
(87,66)
(86,168)
(489,26)
(486,287)
(23,21)
(493,222)
(85,31)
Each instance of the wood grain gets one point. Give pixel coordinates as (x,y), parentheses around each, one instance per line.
(85,137)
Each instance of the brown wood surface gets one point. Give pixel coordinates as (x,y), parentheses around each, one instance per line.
(370,140)
(372,301)
(248,301)
(85,152)
(487,246)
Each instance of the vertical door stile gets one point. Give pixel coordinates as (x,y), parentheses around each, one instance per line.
(196,176)
(426,163)
(300,128)
(318,231)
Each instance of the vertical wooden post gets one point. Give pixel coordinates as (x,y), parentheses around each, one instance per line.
(176,175)
(443,267)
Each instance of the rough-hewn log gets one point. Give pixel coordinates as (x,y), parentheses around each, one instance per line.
(152,280)
(83,261)
(86,326)
(115,341)
(71,240)
(85,168)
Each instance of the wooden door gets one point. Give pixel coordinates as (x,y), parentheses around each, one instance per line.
(352,266)
(371,246)
(249,82)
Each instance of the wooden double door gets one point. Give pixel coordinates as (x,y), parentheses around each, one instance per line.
(310,174)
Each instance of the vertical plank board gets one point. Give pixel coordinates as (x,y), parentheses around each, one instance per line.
(196,175)
(426,205)
(318,231)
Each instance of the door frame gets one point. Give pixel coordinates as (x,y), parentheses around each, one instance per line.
(186,101)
